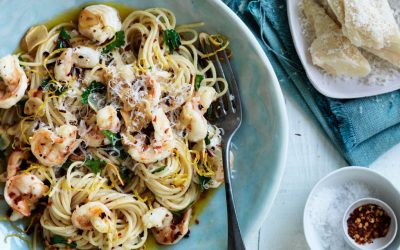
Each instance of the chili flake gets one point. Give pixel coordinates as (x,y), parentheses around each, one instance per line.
(367,223)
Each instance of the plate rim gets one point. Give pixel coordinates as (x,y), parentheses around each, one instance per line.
(283,120)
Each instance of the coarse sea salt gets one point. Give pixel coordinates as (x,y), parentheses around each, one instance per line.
(326,210)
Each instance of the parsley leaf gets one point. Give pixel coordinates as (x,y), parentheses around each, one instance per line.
(93,87)
(63,39)
(207,140)
(66,164)
(158,170)
(197,81)
(117,43)
(47,85)
(172,40)
(124,173)
(203,181)
(115,139)
(60,91)
(95,165)
(209,111)
(56,239)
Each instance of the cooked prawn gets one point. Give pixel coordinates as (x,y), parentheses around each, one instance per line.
(82,57)
(14,162)
(164,230)
(23,191)
(161,142)
(53,148)
(92,215)
(192,115)
(91,133)
(13,81)
(107,119)
(99,22)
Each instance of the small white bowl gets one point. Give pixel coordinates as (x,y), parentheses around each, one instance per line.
(379,243)
(383,190)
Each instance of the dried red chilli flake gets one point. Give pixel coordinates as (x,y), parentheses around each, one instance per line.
(368,222)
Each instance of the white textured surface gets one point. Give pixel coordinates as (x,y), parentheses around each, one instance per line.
(310,157)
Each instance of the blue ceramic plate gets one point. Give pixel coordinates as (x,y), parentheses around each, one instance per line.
(261,143)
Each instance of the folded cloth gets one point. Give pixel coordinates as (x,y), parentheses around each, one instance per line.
(361,129)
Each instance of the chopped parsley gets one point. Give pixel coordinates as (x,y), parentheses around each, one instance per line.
(197,81)
(159,169)
(63,39)
(117,43)
(207,140)
(50,86)
(95,165)
(66,164)
(124,173)
(115,139)
(45,83)
(56,239)
(93,87)
(172,40)
(209,111)
(203,181)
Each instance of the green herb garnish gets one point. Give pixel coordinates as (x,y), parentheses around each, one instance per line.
(48,85)
(61,90)
(197,81)
(203,181)
(125,174)
(115,139)
(207,140)
(95,165)
(63,39)
(66,164)
(159,169)
(93,87)
(209,111)
(45,83)
(117,43)
(172,40)
(56,239)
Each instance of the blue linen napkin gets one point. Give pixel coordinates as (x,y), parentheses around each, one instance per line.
(361,129)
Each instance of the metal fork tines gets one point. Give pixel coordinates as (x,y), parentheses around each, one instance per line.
(227,114)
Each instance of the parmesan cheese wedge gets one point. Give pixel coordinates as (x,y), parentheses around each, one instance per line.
(331,50)
(369,24)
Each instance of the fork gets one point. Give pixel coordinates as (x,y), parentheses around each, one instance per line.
(228,116)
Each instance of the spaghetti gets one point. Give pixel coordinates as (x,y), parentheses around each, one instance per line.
(104,122)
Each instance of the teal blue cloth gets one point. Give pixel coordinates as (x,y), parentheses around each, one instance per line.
(361,129)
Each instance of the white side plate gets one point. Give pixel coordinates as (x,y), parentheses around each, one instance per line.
(340,87)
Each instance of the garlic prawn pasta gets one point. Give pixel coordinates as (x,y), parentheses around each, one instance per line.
(104,131)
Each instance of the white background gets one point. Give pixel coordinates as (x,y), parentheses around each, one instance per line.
(310,157)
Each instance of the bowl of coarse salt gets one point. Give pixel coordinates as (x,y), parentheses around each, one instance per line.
(369,224)
(332,196)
